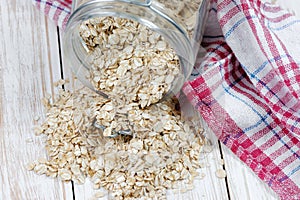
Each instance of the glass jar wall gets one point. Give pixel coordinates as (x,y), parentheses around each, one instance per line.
(179,22)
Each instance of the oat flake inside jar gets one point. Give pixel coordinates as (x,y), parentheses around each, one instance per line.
(133,50)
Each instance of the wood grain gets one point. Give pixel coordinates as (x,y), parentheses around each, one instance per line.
(29,61)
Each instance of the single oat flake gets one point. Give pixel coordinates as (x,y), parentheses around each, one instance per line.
(221,173)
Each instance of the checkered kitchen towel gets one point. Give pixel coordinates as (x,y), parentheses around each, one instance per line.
(57,10)
(248,90)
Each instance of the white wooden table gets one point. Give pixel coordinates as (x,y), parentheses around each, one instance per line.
(30,61)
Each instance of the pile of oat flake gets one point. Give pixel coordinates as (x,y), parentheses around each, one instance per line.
(163,153)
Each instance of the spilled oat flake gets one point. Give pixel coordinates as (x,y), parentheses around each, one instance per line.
(163,151)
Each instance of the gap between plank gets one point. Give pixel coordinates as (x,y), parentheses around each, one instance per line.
(226,179)
(60,57)
(73,190)
(63,86)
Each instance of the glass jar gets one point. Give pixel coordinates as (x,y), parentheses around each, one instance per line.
(179,22)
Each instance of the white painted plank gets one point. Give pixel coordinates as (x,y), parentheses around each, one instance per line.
(67,71)
(28,66)
(243,182)
(210,187)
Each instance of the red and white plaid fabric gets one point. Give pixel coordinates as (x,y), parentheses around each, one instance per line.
(248,87)
(57,10)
